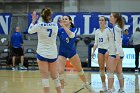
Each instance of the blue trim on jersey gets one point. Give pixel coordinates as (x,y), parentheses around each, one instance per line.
(114,34)
(114,56)
(45,59)
(102,51)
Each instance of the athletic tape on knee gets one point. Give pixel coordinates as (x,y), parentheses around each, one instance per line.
(120,76)
(102,73)
(110,75)
(61,76)
(45,83)
(57,82)
(81,72)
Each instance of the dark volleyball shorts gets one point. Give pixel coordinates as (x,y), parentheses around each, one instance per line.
(102,51)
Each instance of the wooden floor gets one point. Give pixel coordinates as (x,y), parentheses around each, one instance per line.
(29,82)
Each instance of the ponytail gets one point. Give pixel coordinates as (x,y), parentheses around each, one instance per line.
(119,20)
(72,25)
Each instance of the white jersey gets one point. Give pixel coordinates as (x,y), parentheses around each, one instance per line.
(47,33)
(102,38)
(115,41)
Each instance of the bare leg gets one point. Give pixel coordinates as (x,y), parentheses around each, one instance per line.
(75,61)
(13,60)
(55,76)
(101,59)
(61,67)
(111,68)
(43,68)
(101,62)
(120,74)
(22,60)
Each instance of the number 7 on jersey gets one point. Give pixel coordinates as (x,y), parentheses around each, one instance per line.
(49,30)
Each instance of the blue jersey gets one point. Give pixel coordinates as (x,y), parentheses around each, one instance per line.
(17,40)
(67,44)
(125,40)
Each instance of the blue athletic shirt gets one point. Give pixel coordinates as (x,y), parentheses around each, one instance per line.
(125,40)
(67,44)
(16,40)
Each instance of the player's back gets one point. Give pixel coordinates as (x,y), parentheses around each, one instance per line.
(47,33)
(47,39)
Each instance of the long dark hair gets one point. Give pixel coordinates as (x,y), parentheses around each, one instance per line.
(119,20)
(46,14)
(72,25)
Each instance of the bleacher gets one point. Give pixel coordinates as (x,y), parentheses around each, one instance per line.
(4,51)
(30,45)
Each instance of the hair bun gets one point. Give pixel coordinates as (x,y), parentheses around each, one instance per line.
(46,14)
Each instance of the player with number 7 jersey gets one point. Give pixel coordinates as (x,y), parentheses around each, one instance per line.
(47,33)
(46,48)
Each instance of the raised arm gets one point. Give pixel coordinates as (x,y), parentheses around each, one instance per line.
(68,31)
(33,28)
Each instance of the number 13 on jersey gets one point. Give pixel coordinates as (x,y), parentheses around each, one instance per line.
(100,39)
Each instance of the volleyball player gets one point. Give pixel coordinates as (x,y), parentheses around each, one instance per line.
(102,42)
(116,53)
(67,34)
(46,48)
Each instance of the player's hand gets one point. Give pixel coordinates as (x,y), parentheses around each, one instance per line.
(61,22)
(34,17)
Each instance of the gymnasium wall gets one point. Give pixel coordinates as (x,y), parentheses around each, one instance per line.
(109,5)
(21,9)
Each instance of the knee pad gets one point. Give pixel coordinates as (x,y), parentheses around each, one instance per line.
(102,72)
(45,83)
(81,72)
(61,77)
(57,82)
(120,76)
(110,75)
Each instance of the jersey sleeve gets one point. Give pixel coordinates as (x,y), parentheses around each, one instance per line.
(117,39)
(33,28)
